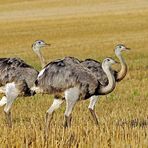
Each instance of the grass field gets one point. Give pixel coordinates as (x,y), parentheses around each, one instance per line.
(84,29)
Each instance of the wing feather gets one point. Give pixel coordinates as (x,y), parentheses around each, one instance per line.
(96,68)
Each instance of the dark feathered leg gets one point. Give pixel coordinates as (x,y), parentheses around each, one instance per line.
(91,107)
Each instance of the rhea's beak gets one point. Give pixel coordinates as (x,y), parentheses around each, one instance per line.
(127,48)
(116,62)
(46,44)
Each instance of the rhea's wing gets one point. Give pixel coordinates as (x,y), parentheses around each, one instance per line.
(96,69)
(63,74)
(14,69)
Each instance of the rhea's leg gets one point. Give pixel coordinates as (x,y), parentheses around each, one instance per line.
(49,115)
(71,97)
(7,111)
(69,106)
(91,107)
(11,94)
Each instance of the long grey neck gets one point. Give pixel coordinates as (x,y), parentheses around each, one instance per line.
(123,71)
(103,90)
(41,58)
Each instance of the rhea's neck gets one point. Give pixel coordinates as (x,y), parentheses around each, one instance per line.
(41,58)
(122,73)
(103,90)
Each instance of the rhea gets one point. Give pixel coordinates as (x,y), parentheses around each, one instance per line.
(12,69)
(74,81)
(96,69)
(16,70)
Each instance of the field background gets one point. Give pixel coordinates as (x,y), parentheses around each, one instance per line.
(84,29)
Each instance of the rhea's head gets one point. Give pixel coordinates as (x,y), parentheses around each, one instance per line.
(107,62)
(38,44)
(119,48)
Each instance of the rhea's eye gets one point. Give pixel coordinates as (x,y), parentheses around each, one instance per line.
(108,60)
(39,42)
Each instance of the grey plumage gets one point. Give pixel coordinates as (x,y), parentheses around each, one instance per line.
(16,70)
(66,73)
(70,72)
(96,68)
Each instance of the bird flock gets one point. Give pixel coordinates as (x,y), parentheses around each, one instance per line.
(68,79)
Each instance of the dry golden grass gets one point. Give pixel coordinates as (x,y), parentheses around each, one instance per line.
(84,29)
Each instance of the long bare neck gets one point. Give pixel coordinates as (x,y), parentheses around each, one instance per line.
(41,58)
(122,73)
(103,90)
